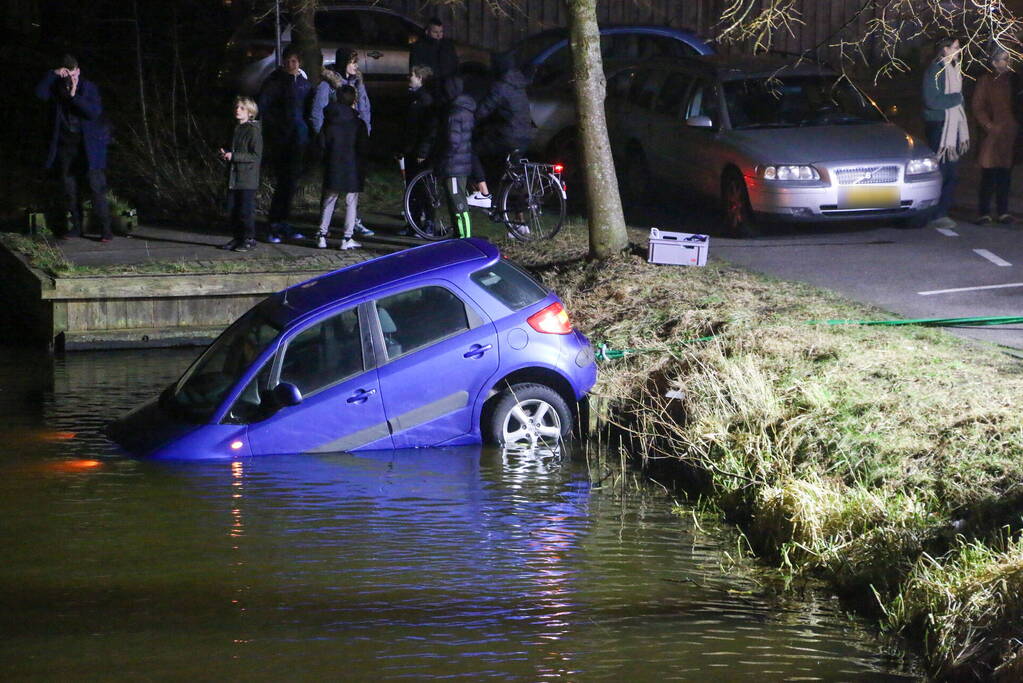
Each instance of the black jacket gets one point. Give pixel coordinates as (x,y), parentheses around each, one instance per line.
(420,124)
(504,112)
(439,55)
(344,141)
(455,154)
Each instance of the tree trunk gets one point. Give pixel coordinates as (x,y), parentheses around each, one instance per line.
(303,36)
(608,235)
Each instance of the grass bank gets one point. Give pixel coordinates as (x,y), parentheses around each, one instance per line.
(887,460)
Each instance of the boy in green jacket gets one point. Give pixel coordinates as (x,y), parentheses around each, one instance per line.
(243,175)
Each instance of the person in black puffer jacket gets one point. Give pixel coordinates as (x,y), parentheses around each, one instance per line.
(504,123)
(455,160)
(421,121)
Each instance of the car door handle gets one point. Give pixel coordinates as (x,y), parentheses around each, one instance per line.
(374,54)
(361,396)
(477,350)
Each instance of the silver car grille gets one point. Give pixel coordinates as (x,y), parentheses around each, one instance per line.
(867,175)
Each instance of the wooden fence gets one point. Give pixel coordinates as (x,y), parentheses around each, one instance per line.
(498,24)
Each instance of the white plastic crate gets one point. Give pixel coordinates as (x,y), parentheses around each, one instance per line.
(677,248)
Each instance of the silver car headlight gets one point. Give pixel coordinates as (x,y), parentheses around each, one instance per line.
(922,166)
(789,173)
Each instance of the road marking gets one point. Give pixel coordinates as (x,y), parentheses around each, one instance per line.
(998,261)
(947,232)
(970,289)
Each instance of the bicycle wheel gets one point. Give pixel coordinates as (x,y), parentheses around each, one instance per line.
(533,207)
(425,208)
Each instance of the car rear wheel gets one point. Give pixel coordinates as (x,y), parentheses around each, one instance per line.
(527,416)
(739,221)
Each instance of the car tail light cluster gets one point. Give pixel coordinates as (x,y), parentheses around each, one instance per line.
(551,320)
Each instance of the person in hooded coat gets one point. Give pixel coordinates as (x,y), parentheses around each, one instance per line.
(344,142)
(455,158)
(504,123)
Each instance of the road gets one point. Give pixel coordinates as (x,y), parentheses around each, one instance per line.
(914,273)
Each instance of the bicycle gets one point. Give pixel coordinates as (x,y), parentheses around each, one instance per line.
(530,200)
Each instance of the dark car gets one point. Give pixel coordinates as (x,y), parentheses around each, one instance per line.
(440,345)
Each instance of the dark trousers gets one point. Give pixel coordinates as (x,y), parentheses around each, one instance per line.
(287,164)
(949,170)
(71,163)
(241,210)
(994,181)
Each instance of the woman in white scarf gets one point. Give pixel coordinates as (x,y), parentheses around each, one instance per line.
(945,122)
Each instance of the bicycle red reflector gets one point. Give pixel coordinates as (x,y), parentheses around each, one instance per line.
(558,168)
(551,320)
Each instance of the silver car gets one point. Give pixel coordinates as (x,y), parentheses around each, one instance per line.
(767,140)
(381,37)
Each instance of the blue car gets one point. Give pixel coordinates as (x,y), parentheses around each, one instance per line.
(441,345)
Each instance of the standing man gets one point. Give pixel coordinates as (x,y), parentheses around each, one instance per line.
(282,105)
(78,144)
(945,122)
(435,51)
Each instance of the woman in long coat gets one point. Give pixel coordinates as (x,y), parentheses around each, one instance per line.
(993,107)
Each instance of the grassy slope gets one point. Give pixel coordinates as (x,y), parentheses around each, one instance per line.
(888,460)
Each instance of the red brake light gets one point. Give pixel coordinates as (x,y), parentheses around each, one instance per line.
(558,168)
(551,320)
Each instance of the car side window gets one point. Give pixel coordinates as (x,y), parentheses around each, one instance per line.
(621,83)
(384,30)
(645,90)
(673,93)
(339,27)
(251,405)
(324,354)
(420,317)
(705,102)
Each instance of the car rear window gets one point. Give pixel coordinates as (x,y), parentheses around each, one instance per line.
(509,285)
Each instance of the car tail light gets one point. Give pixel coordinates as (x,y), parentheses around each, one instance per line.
(551,320)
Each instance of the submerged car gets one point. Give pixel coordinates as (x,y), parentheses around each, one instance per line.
(441,345)
(765,138)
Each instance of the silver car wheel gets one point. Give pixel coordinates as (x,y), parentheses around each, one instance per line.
(531,423)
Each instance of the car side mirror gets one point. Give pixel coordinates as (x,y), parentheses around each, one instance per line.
(699,122)
(287,394)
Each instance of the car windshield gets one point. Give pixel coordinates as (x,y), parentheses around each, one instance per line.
(204,385)
(791,101)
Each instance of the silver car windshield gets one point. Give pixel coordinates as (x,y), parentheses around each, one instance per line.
(792,101)
(204,385)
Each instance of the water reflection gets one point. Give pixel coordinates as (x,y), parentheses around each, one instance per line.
(464,563)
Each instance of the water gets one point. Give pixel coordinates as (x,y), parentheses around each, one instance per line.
(459,563)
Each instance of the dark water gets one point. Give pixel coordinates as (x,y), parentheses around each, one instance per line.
(461,563)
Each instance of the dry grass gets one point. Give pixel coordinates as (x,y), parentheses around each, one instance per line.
(856,453)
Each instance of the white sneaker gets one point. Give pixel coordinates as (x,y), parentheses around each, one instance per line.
(349,244)
(479,199)
(321,243)
(519,231)
(362,229)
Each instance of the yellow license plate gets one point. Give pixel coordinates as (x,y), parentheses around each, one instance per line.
(887,197)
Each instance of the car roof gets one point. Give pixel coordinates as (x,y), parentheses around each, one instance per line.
(559,37)
(738,67)
(438,259)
